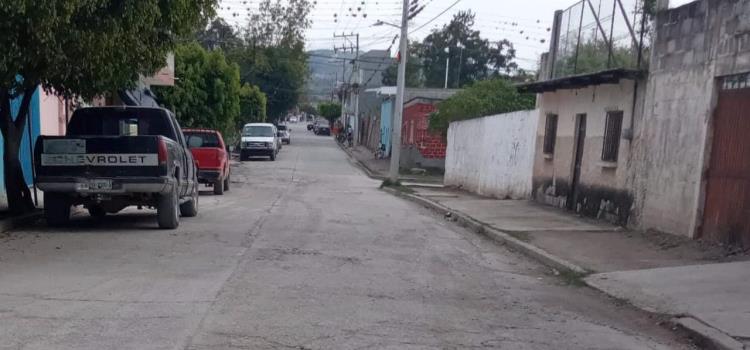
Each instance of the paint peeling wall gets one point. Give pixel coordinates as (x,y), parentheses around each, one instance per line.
(603,190)
(692,46)
(494,155)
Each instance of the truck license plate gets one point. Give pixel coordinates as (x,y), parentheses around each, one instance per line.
(100,184)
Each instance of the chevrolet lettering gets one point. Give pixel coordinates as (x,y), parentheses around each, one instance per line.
(138,159)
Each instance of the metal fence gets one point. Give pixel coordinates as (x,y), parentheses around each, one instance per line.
(596,35)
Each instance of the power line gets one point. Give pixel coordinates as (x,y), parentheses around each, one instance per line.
(436,17)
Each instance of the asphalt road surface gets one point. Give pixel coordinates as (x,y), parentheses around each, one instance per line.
(302,253)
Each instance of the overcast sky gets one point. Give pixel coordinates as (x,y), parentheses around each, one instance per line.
(523,22)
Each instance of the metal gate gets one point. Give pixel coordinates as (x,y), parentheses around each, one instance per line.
(726,216)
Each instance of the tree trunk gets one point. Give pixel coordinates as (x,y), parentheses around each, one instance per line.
(17,191)
(19,196)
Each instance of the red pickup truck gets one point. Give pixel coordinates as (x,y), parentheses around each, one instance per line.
(211,157)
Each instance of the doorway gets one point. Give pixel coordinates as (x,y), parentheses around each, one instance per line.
(726,215)
(580,137)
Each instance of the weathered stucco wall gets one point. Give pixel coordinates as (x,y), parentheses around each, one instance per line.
(494,155)
(603,187)
(52,114)
(692,46)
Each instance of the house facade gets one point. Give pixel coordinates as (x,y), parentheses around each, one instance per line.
(583,143)
(419,146)
(692,170)
(660,145)
(589,93)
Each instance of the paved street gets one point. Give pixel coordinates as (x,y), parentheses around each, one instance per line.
(301,253)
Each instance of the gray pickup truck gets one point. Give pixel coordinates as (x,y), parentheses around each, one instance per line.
(115,157)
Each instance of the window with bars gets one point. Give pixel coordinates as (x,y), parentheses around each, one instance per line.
(737,81)
(612,131)
(550,134)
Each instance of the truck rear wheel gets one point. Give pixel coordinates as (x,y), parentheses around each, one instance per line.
(226,183)
(56,208)
(189,209)
(166,210)
(219,187)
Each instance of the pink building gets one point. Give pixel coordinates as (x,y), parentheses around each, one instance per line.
(52,114)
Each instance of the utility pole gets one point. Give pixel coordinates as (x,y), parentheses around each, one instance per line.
(356,123)
(447,65)
(354,49)
(401,85)
(460,63)
(343,93)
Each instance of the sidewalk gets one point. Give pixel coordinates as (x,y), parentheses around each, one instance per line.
(378,168)
(706,290)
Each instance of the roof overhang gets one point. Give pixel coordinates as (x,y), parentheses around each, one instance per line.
(420,99)
(383,90)
(611,76)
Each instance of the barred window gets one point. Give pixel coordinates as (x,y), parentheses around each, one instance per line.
(612,131)
(550,134)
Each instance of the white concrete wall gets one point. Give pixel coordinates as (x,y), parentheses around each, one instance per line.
(493,156)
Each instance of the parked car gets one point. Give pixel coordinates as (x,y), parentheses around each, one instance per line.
(285,134)
(211,157)
(115,157)
(323,130)
(293,119)
(259,139)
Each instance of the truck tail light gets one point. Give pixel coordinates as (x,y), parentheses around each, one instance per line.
(162,151)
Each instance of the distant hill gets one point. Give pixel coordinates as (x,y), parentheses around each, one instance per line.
(326,68)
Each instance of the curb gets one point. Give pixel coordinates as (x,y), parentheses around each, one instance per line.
(375,176)
(497,235)
(708,337)
(371,174)
(15,222)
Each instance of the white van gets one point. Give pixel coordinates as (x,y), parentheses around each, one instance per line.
(259,140)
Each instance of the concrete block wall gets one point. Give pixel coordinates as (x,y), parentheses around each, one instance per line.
(494,155)
(693,45)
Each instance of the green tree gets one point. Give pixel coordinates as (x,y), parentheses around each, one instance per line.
(279,23)
(273,56)
(413,69)
(481,99)
(593,56)
(80,48)
(309,109)
(207,95)
(472,58)
(252,105)
(329,110)
(219,35)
